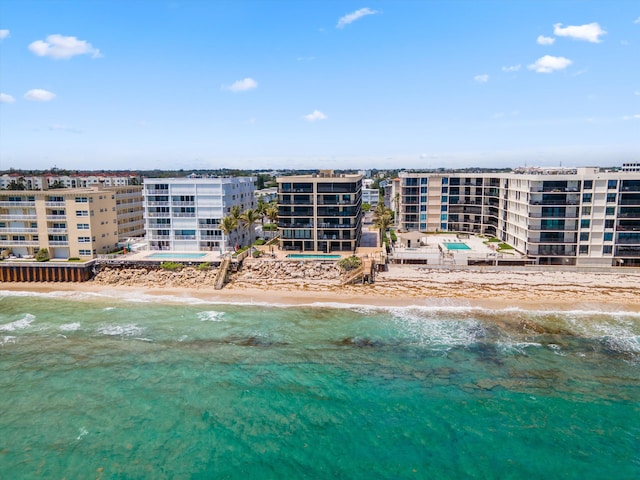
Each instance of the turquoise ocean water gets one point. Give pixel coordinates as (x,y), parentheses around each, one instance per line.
(106,386)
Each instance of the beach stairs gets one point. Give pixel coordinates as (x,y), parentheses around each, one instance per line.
(363,274)
(223,271)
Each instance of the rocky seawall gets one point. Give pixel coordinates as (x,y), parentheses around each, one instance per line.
(189,277)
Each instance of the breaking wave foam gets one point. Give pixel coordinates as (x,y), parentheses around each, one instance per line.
(21,324)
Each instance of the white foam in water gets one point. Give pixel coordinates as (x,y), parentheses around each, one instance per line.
(128,330)
(21,324)
(211,316)
(516,347)
(82,433)
(69,327)
(438,332)
(7,339)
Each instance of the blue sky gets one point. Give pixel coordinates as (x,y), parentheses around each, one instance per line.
(327,84)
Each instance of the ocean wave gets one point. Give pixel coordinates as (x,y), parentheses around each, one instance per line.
(21,324)
(127,330)
(69,327)
(211,316)
(7,339)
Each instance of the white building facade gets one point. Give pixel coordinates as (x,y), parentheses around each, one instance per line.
(184,214)
(583,216)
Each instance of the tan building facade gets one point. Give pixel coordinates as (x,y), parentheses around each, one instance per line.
(69,223)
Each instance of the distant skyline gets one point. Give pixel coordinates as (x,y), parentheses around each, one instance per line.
(192,84)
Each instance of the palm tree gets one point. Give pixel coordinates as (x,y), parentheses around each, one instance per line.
(228,225)
(261,209)
(272,213)
(249,217)
(383,222)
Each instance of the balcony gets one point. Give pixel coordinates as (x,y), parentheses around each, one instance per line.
(58,243)
(211,237)
(158,204)
(18,230)
(153,191)
(336,225)
(298,212)
(185,237)
(630,251)
(57,230)
(295,225)
(55,218)
(184,204)
(159,214)
(20,243)
(25,204)
(184,214)
(54,204)
(151,236)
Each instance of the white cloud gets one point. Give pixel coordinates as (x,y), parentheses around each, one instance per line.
(484,78)
(542,40)
(512,68)
(39,95)
(637,20)
(6,98)
(315,115)
(548,64)
(632,117)
(4,34)
(589,32)
(353,16)
(59,46)
(242,85)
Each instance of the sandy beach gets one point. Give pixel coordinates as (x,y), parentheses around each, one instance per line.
(401,285)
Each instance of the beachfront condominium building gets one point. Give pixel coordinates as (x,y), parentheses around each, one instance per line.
(69,223)
(185,214)
(19,181)
(320,212)
(583,216)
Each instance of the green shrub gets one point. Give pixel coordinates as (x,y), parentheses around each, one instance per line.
(171,266)
(260,241)
(257,254)
(350,263)
(504,246)
(42,255)
(270,227)
(204,266)
(73,259)
(393,236)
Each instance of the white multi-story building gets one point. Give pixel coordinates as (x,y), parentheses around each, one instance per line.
(371,196)
(584,216)
(184,214)
(16,181)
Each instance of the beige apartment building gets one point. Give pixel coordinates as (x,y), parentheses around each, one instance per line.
(69,223)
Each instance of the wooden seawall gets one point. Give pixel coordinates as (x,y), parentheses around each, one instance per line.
(45,272)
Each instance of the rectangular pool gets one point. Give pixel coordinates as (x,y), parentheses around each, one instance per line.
(456,246)
(311,256)
(176,256)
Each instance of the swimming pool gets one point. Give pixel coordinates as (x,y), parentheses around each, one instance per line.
(456,246)
(310,256)
(176,256)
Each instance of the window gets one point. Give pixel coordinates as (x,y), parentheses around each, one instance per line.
(588,184)
(84,253)
(443,217)
(608,224)
(584,249)
(82,213)
(84,240)
(586,210)
(443,208)
(82,199)
(586,198)
(584,223)
(444,199)
(607,249)
(611,197)
(445,181)
(612,184)
(611,211)
(445,189)
(423,208)
(608,236)
(584,236)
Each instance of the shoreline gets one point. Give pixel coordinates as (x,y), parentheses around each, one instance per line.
(402,286)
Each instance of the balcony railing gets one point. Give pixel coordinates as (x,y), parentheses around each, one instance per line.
(18,204)
(211,237)
(158,237)
(336,225)
(58,243)
(295,225)
(54,204)
(54,218)
(185,237)
(158,204)
(57,230)
(20,243)
(18,230)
